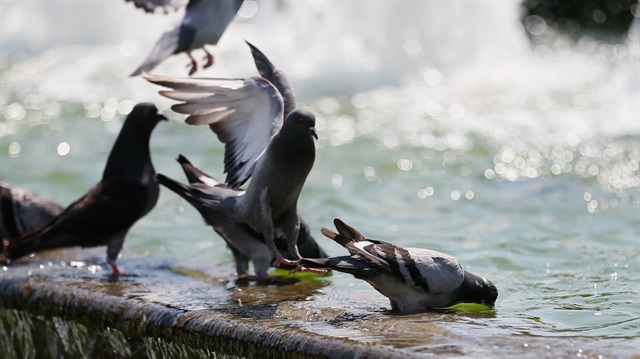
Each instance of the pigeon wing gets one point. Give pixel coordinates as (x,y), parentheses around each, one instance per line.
(244,113)
(268,71)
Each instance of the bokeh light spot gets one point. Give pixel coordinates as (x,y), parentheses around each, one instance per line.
(63,149)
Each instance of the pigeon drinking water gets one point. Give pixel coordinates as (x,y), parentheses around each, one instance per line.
(103,216)
(414,279)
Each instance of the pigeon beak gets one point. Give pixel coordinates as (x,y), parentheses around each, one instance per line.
(313,132)
(162,118)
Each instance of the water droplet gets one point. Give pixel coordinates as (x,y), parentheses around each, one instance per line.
(412,47)
(455,195)
(432,77)
(63,149)
(489,174)
(336,181)
(14,149)
(535,25)
(405,164)
(15,112)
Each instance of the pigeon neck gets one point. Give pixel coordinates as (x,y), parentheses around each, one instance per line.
(130,153)
(291,137)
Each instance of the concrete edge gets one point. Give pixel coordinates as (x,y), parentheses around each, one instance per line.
(217,331)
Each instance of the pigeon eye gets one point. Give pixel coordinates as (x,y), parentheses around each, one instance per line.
(301,120)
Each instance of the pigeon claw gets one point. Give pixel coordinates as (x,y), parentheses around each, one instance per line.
(282,260)
(306,269)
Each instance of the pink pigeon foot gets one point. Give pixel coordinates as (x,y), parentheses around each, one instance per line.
(306,269)
(209,59)
(193,65)
(114,268)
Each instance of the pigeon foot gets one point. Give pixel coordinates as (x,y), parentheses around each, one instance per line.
(209,58)
(307,269)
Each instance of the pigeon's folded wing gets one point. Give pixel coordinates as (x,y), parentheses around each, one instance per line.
(245,114)
(435,272)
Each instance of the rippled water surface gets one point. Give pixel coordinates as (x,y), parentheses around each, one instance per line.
(445,127)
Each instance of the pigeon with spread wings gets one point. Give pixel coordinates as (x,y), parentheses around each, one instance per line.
(274,148)
(414,279)
(203,23)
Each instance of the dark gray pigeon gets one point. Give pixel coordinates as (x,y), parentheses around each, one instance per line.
(203,23)
(414,279)
(128,190)
(245,243)
(22,212)
(247,115)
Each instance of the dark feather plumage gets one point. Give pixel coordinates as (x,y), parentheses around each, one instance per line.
(103,216)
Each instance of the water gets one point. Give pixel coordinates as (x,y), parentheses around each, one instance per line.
(442,126)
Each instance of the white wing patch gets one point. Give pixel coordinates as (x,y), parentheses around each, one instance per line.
(362,244)
(208,181)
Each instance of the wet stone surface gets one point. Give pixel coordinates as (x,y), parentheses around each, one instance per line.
(52,306)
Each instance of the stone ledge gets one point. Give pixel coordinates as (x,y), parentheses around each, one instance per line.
(208,330)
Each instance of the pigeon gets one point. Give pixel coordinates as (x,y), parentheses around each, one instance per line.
(22,212)
(203,23)
(274,148)
(244,243)
(414,279)
(103,216)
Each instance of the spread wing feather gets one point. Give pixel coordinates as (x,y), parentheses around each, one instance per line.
(244,113)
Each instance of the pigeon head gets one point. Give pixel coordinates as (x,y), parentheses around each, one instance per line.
(131,152)
(476,289)
(300,123)
(145,115)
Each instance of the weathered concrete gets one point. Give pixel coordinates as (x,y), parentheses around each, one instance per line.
(56,307)
(137,319)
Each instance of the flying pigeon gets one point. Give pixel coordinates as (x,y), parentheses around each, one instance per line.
(275,148)
(22,212)
(203,23)
(414,279)
(103,216)
(245,243)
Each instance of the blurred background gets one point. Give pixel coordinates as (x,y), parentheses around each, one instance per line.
(504,133)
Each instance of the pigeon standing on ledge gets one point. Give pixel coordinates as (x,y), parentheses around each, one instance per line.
(22,212)
(247,115)
(414,279)
(128,190)
(244,243)
(203,23)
